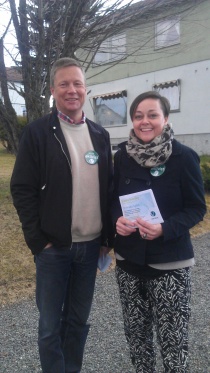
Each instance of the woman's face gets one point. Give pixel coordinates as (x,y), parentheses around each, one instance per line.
(149,120)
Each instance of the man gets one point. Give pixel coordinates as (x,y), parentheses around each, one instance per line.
(61,186)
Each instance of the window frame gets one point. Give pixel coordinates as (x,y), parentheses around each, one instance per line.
(108,50)
(159,87)
(160,44)
(105,97)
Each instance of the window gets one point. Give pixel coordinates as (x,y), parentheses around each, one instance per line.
(115,148)
(170,90)
(167,32)
(111,109)
(112,49)
(24,111)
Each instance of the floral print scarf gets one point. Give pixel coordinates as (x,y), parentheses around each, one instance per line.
(154,153)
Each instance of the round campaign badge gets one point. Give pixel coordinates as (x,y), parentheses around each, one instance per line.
(157,171)
(91,157)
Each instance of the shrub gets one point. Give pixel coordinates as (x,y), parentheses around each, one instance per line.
(22,121)
(205,169)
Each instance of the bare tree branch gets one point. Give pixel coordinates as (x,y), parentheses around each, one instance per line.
(49,29)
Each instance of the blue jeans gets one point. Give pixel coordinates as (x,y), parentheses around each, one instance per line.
(65,280)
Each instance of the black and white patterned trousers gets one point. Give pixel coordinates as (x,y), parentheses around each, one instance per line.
(165,303)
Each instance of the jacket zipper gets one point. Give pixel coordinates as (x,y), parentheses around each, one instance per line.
(63,152)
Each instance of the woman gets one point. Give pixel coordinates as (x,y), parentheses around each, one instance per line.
(153,260)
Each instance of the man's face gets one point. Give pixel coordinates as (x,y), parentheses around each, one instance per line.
(69,91)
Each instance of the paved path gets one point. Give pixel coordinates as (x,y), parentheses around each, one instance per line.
(106,349)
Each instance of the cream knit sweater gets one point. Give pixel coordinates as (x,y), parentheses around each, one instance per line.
(86,213)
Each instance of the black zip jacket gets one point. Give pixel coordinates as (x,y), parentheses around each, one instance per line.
(41,183)
(179,194)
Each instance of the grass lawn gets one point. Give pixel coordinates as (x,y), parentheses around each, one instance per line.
(17,275)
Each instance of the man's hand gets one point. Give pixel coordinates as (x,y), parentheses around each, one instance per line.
(104,251)
(48,245)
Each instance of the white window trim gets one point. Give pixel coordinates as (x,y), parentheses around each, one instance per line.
(174,102)
(111,49)
(108,96)
(175,21)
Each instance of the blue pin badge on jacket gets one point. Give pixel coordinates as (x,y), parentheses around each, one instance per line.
(91,157)
(158,171)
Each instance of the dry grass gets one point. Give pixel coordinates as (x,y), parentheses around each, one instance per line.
(17,275)
(17,268)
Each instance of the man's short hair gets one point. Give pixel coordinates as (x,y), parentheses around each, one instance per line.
(63,62)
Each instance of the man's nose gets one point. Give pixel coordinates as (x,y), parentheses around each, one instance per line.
(71,87)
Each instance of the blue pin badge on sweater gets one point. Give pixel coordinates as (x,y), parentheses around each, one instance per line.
(91,157)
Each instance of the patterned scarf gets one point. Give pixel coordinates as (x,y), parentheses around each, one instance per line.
(154,153)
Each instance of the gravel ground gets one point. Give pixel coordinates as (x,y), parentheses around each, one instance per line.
(106,350)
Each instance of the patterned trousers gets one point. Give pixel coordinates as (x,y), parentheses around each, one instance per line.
(163,302)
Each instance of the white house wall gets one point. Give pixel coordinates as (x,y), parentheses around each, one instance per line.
(17,101)
(191,125)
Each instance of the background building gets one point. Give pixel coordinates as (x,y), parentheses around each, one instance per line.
(168,51)
(14,85)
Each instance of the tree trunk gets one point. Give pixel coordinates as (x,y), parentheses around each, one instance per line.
(8,117)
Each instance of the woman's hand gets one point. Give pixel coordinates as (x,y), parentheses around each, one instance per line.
(149,231)
(125,227)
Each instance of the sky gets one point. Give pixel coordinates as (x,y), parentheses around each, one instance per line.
(10,40)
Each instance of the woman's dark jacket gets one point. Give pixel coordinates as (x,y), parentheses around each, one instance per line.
(41,183)
(179,194)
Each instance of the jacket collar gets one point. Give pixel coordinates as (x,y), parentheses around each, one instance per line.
(96,137)
(94,130)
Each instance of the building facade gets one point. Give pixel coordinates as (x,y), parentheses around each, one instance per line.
(168,51)
(15,85)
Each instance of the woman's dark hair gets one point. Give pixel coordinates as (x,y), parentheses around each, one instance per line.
(165,104)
